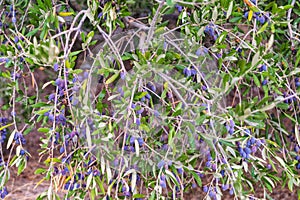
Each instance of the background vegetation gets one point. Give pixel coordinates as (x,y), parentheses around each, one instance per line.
(206,98)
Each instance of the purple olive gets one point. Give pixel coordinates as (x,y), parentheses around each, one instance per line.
(22,152)
(51,97)
(132,138)
(205,189)
(247,150)
(55,67)
(123,75)
(180,170)
(163,184)
(140,111)
(179,7)
(212,194)
(16,39)
(199,52)
(254,149)
(247,131)
(61,150)
(225,187)
(160,164)
(141,141)
(263,68)
(261,19)
(148,96)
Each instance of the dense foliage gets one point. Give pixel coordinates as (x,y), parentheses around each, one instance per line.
(211,102)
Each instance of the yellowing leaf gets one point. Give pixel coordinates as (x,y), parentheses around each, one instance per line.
(263,28)
(68,65)
(65,14)
(6,126)
(166,85)
(250,15)
(38,183)
(112,78)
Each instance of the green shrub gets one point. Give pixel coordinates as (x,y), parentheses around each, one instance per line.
(131,108)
